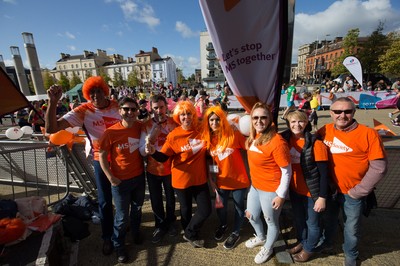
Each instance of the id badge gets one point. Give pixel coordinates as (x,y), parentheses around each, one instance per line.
(213,168)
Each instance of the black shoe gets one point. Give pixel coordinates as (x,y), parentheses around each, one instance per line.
(231,241)
(219,233)
(122,257)
(158,235)
(107,247)
(172,231)
(197,243)
(138,238)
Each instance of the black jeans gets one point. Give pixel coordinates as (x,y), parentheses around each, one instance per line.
(156,183)
(192,224)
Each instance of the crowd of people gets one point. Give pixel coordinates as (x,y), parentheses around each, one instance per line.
(193,152)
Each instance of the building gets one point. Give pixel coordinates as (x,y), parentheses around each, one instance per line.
(211,71)
(294,74)
(118,66)
(164,71)
(303,51)
(143,65)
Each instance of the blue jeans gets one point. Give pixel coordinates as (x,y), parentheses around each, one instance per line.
(307,225)
(352,213)
(192,224)
(238,199)
(156,183)
(104,198)
(129,193)
(257,201)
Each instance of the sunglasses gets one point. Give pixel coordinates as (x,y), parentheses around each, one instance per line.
(127,109)
(347,112)
(255,118)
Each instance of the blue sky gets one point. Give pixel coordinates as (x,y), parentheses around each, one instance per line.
(127,26)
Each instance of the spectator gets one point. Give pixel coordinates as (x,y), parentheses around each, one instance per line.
(143,111)
(291,91)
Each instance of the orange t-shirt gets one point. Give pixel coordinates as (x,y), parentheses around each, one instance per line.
(154,167)
(297,182)
(94,120)
(122,145)
(350,153)
(265,162)
(231,169)
(188,154)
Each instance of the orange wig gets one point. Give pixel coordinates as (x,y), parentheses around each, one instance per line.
(225,133)
(94,82)
(185,107)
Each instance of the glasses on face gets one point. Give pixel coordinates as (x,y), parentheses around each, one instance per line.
(127,109)
(255,118)
(338,112)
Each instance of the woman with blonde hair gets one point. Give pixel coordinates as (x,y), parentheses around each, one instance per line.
(270,171)
(188,169)
(224,143)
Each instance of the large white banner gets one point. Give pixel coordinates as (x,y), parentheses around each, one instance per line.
(353,65)
(247,38)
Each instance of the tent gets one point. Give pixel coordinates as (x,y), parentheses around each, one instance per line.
(75,92)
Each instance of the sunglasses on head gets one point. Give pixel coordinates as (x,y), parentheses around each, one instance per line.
(347,112)
(126,109)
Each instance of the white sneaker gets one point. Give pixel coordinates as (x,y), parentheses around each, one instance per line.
(254,242)
(390,115)
(263,255)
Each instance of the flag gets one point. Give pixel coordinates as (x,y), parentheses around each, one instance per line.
(251,42)
(353,65)
(11,99)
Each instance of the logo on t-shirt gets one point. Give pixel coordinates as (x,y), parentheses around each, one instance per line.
(222,155)
(336,146)
(194,144)
(106,121)
(254,148)
(132,145)
(294,155)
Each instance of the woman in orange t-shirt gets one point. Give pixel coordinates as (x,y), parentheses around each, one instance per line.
(188,169)
(224,144)
(270,171)
(309,183)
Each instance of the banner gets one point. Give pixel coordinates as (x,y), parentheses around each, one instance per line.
(12,98)
(250,42)
(354,67)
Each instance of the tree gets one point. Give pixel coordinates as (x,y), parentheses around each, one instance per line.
(104,75)
(350,43)
(64,82)
(75,80)
(118,80)
(133,79)
(389,61)
(180,76)
(372,49)
(47,79)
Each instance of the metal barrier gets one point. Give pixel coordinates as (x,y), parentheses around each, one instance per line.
(35,168)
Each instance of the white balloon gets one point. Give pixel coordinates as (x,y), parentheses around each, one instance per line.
(232,118)
(244,125)
(73,130)
(14,133)
(27,130)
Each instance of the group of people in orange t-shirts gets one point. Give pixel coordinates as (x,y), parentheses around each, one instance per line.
(183,155)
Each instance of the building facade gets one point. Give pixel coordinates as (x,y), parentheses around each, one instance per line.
(143,65)
(164,71)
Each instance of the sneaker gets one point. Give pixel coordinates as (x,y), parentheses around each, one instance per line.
(158,234)
(231,241)
(122,257)
(107,247)
(254,242)
(349,262)
(172,231)
(263,255)
(390,115)
(197,243)
(219,233)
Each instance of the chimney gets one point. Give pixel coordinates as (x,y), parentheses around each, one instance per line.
(2,65)
(154,50)
(33,60)
(20,71)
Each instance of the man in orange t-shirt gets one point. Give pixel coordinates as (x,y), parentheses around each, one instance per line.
(159,174)
(358,162)
(125,171)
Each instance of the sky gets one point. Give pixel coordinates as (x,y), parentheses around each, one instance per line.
(127,26)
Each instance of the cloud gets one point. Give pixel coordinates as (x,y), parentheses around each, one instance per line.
(66,35)
(10,1)
(139,11)
(71,47)
(339,18)
(188,65)
(185,31)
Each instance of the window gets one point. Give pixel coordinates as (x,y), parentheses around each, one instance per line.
(154,75)
(85,65)
(140,60)
(72,66)
(76,65)
(161,75)
(90,64)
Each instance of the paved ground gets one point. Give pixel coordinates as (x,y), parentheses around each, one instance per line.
(380,244)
